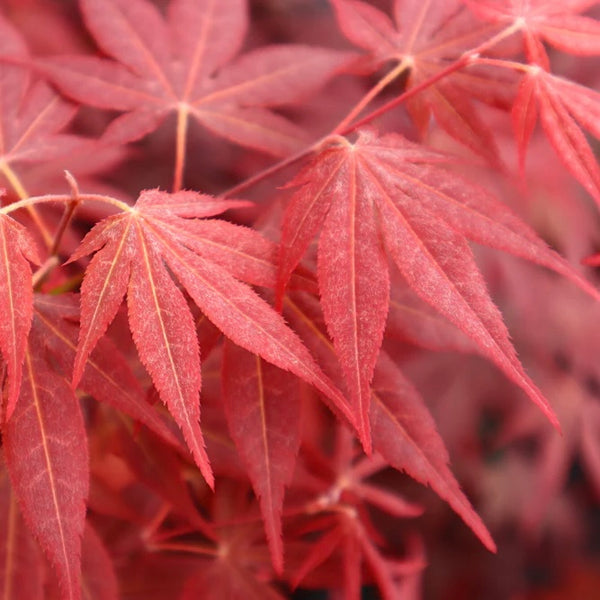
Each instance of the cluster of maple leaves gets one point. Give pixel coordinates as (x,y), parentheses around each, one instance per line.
(198,400)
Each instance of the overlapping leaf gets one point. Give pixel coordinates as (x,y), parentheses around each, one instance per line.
(343,492)
(261,398)
(181,65)
(31,115)
(47,459)
(16,301)
(404,432)
(562,105)
(558,23)
(388,192)
(107,376)
(423,38)
(345,548)
(137,253)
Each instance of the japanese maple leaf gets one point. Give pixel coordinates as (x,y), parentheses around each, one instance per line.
(387,196)
(423,38)
(562,107)
(343,547)
(137,253)
(557,23)
(31,114)
(342,491)
(182,65)
(47,459)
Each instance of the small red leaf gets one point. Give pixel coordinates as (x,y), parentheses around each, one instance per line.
(196,76)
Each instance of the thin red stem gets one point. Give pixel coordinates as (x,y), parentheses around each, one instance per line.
(346,126)
(466,59)
(188,548)
(371,94)
(180,147)
(276,167)
(32,200)
(67,214)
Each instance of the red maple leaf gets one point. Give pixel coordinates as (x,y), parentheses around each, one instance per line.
(557,23)
(32,116)
(31,113)
(132,253)
(16,249)
(562,105)
(388,195)
(47,460)
(184,64)
(342,492)
(425,38)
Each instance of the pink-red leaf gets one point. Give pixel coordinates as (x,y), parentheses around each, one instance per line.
(557,115)
(16,301)
(425,218)
(206,34)
(47,459)
(245,318)
(355,290)
(425,38)
(404,432)
(183,64)
(131,252)
(261,399)
(554,22)
(439,266)
(104,284)
(165,337)
(31,115)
